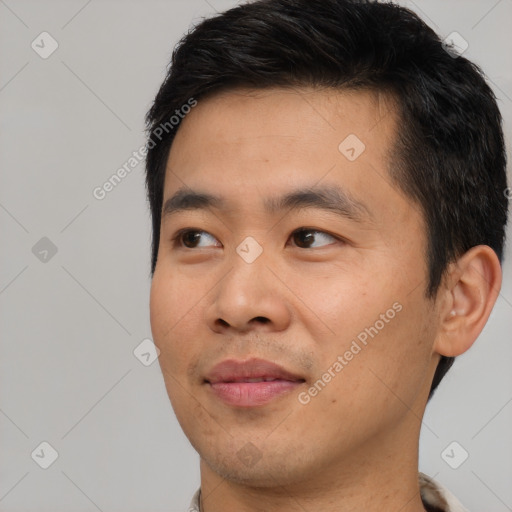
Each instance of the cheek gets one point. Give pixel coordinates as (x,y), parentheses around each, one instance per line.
(174,299)
(380,330)
(174,310)
(170,310)
(344,303)
(379,386)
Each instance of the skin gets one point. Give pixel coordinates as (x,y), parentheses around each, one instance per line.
(353,446)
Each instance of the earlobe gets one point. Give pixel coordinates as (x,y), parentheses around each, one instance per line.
(471,288)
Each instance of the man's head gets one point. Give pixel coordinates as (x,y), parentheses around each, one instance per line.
(352,120)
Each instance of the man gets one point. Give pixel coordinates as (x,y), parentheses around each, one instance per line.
(326,182)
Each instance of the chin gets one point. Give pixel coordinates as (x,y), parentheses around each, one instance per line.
(260,475)
(249,467)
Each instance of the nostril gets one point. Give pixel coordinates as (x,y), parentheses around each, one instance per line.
(262,319)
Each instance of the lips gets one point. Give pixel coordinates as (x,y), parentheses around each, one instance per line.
(250,383)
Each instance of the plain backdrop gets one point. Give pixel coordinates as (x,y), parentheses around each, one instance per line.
(74,274)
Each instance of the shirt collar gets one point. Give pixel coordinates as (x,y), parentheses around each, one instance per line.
(433,495)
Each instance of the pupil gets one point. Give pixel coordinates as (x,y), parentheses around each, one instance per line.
(305,237)
(190,238)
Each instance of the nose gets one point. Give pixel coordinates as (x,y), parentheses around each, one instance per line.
(248,298)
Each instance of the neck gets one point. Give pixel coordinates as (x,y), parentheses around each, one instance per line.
(381,475)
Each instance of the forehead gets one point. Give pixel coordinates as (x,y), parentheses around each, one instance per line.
(272,125)
(272,139)
(308,114)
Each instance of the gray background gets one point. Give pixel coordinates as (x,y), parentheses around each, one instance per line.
(70,324)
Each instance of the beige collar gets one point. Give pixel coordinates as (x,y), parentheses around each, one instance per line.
(434,495)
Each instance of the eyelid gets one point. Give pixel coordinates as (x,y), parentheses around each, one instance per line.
(318,230)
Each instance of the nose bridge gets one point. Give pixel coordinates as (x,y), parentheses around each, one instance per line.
(248,263)
(248,292)
(247,281)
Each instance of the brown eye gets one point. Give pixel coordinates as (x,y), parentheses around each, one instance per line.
(191,238)
(305,238)
(194,238)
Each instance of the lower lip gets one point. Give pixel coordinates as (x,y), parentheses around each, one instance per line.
(251,394)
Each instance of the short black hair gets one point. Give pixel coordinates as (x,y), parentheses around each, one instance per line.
(449,155)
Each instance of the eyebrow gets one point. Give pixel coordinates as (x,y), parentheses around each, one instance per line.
(329,198)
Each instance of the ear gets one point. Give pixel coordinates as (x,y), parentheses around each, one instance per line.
(468,294)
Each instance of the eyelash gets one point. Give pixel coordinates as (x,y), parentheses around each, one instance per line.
(178,238)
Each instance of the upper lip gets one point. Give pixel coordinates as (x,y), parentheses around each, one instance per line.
(232,370)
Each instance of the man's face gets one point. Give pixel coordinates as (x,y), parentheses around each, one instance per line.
(330,287)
